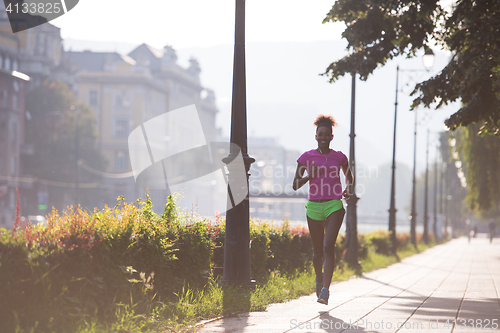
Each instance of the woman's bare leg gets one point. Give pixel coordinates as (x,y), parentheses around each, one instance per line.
(332,226)
(317,231)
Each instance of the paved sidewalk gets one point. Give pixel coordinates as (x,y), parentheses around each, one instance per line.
(452,287)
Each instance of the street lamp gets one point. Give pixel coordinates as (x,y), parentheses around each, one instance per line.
(426,199)
(428,60)
(237,238)
(77,154)
(413,214)
(434,225)
(351,254)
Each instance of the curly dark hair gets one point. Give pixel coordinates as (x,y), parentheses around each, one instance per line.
(322,120)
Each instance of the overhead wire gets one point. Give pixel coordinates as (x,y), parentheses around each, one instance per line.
(82,165)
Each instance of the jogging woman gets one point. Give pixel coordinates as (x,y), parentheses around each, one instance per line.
(324,210)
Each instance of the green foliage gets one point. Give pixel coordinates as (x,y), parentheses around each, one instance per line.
(80,263)
(380,241)
(58,123)
(278,249)
(480,157)
(171,210)
(126,269)
(111,268)
(377,31)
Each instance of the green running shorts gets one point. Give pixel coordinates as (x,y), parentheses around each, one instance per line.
(319,211)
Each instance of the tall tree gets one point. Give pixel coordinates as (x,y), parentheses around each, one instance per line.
(380,30)
(61,131)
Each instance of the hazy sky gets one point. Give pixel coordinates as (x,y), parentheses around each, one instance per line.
(200,23)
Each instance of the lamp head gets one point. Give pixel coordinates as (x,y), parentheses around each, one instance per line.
(428,59)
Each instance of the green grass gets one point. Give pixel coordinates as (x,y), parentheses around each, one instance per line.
(376,261)
(214,301)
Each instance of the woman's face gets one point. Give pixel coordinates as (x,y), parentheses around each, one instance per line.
(324,136)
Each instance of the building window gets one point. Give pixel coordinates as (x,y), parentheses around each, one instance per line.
(7,63)
(41,46)
(13,199)
(14,101)
(12,165)
(14,65)
(4,98)
(14,134)
(93,102)
(1,61)
(121,160)
(122,127)
(121,100)
(93,99)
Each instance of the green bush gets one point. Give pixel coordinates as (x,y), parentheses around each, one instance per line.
(82,264)
(260,251)
(121,261)
(380,241)
(120,265)
(287,250)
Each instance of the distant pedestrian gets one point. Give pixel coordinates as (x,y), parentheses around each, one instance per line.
(324,210)
(492,226)
(468,230)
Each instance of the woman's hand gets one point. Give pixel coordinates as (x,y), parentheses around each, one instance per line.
(348,192)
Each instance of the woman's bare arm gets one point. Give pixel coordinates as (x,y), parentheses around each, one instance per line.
(349,190)
(299,180)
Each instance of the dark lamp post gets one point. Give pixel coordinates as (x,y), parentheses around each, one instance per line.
(237,238)
(351,254)
(434,224)
(428,60)
(77,154)
(426,191)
